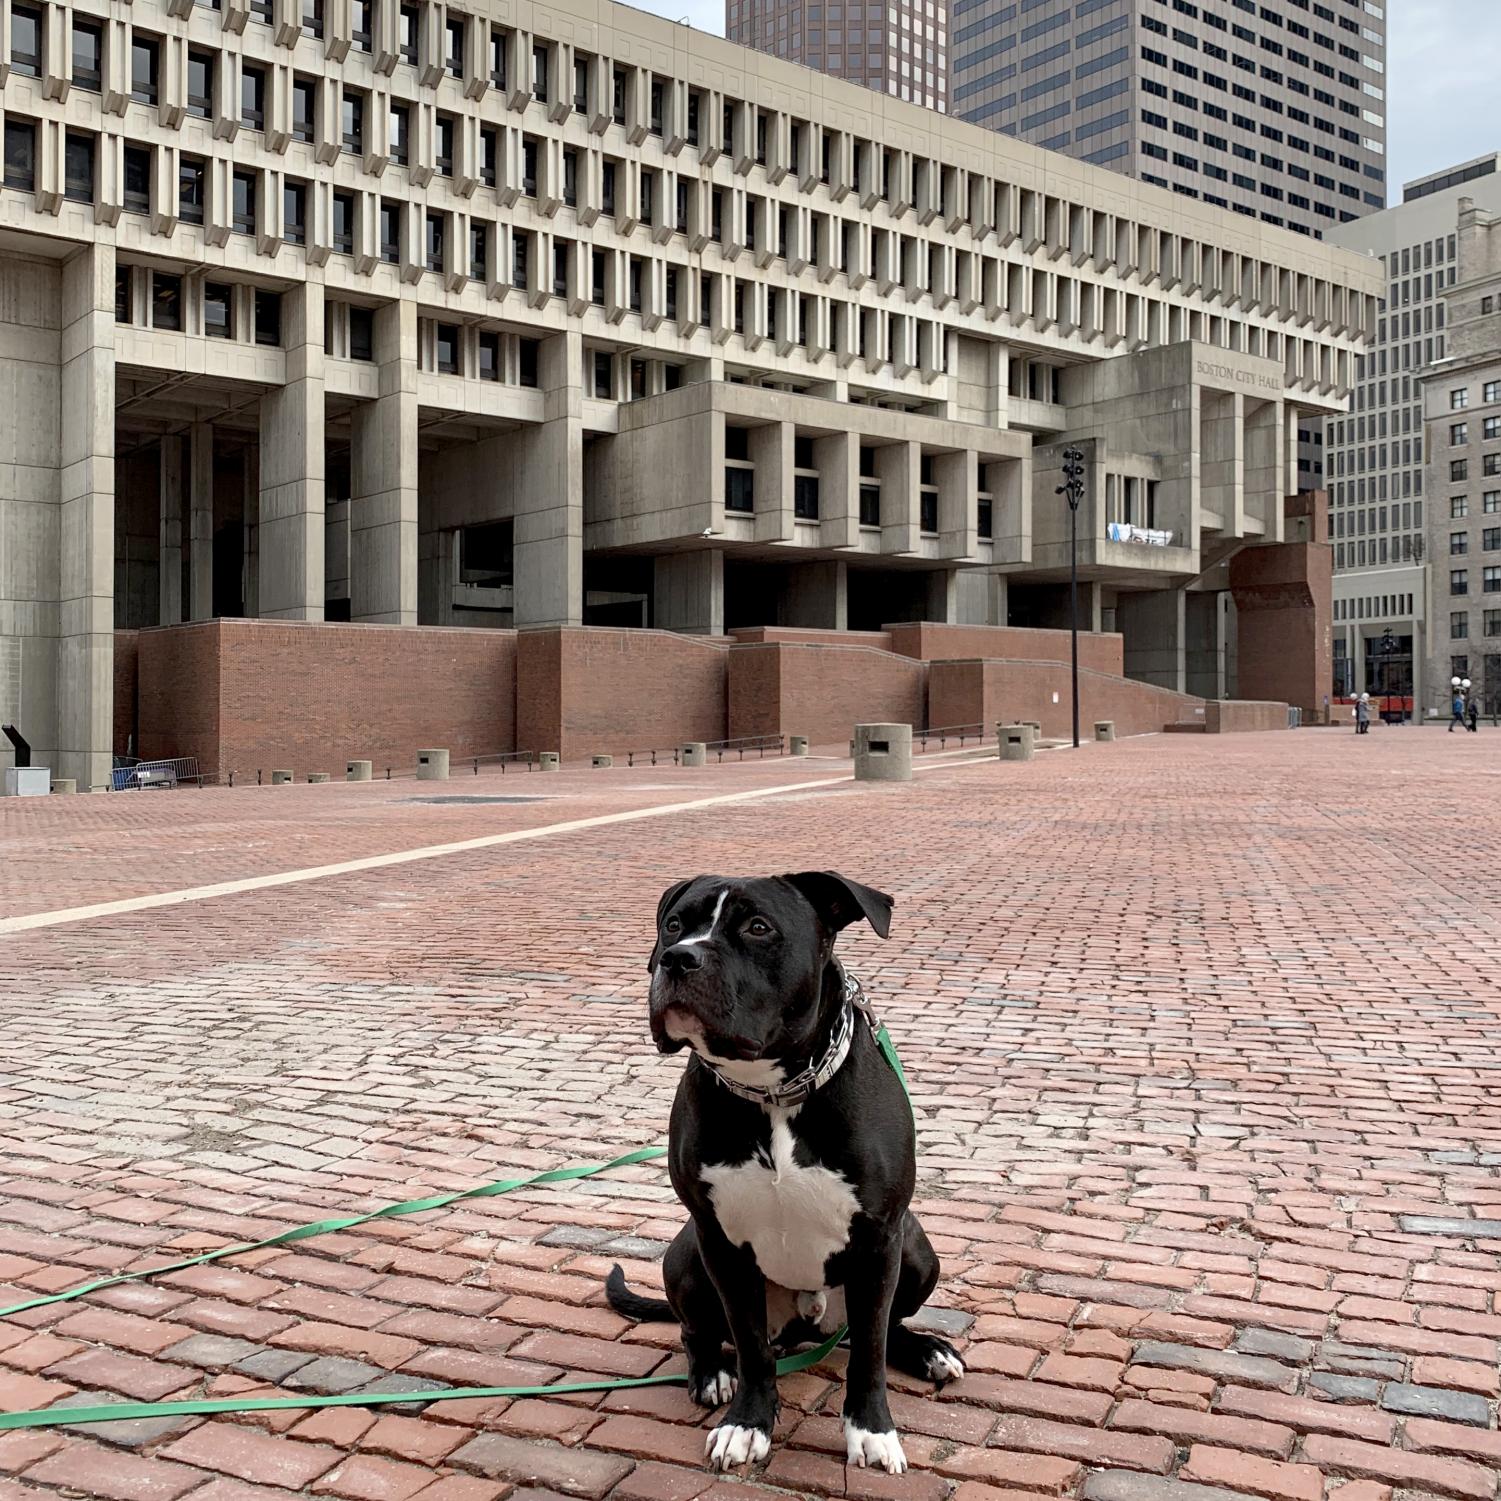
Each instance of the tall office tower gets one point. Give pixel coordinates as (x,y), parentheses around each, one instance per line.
(899,48)
(1372,460)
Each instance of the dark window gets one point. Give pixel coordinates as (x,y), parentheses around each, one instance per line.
(218,310)
(520,247)
(529,167)
(26,40)
(352,113)
(361,333)
(693,123)
(312,17)
(527,353)
(191,173)
(607,188)
(805,497)
(304,109)
(927,519)
(435,242)
(489,150)
(390,232)
(617,96)
(870,505)
(479,252)
(648,198)
(20,154)
(445,145)
(145,56)
(498,58)
(736,443)
(571,178)
(408,29)
(581,85)
(489,356)
(539,73)
(454,31)
(122,294)
(268,318)
(633,280)
(88,53)
(200,83)
(448,349)
(655,121)
(137,187)
(986,509)
(604,375)
(400,133)
(560,269)
(344,223)
(166,301)
(294,213)
(359,23)
(253,98)
(597,278)
(244,203)
(740,489)
(78,167)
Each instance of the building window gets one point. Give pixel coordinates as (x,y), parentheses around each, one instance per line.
(191,174)
(805,497)
(1459,507)
(581,84)
(528,355)
(123,313)
(1459,542)
(1490,539)
(539,72)
(1490,428)
(136,191)
(1459,581)
(739,488)
(390,232)
(447,346)
(26,40)
(529,168)
(498,58)
(520,246)
(78,167)
(359,23)
(604,375)
(352,121)
(1490,502)
(1492,390)
(927,511)
(344,223)
(244,203)
(1492,623)
(571,178)
(20,155)
(1459,625)
(453,29)
(409,28)
(1491,464)
(304,109)
(361,333)
(268,318)
(88,53)
(312,17)
(444,145)
(218,310)
(489,356)
(479,252)
(870,504)
(253,98)
(1459,399)
(294,213)
(435,242)
(1490,580)
(1459,469)
(166,301)
(145,54)
(400,132)
(200,83)
(1459,667)
(607,189)
(1459,432)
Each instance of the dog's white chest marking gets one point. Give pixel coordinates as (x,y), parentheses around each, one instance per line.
(793,1217)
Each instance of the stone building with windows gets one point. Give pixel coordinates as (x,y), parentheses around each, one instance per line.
(1462,417)
(400,313)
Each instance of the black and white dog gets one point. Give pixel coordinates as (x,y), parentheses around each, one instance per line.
(791,1145)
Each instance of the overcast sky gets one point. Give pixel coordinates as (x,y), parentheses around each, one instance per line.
(1443,65)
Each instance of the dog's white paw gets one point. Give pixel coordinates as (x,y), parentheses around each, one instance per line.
(944,1365)
(864,1448)
(715,1390)
(730,1444)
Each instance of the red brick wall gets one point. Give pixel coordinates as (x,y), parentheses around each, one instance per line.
(595,690)
(1284,623)
(244,695)
(127,651)
(985,692)
(821,691)
(1234,715)
(1101,650)
(752,634)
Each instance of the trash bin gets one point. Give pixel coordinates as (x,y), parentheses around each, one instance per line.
(883,752)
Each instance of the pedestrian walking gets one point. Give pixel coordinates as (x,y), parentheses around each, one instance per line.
(1363,714)
(1472,712)
(1457,711)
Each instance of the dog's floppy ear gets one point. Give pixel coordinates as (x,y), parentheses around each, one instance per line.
(840,901)
(669,896)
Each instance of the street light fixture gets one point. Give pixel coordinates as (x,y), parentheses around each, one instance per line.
(1072,489)
(1388,649)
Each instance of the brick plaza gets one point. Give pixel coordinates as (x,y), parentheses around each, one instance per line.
(1202,1034)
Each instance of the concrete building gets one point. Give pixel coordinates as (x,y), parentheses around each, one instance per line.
(1371,462)
(394,313)
(899,47)
(1461,397)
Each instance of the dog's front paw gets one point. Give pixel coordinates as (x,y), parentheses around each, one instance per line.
(713,1390)
(730,1444)
(944,1364)
(864,1448)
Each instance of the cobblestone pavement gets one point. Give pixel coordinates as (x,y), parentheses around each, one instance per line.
(1203,1037)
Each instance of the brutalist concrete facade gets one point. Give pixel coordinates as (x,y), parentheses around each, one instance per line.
(398,313)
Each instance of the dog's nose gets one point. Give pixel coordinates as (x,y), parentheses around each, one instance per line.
(681,959)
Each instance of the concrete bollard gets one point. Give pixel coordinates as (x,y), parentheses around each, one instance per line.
(695,753)
(432,766)
(359,771)
(602,762)
(797,745)
(1104,729)
(883,752)
(64,784)
(1017,741)
(280,778)
(318,776)
(549,761)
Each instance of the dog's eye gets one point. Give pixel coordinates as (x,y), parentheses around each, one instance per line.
(758,927)
(672,925)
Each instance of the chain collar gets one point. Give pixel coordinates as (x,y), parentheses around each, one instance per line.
(801,1086)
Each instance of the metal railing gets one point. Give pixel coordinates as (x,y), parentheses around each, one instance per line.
(130,774)
(675,753)
(760,744)
(963,733)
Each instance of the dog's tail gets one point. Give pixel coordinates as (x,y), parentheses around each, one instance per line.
(633,1305)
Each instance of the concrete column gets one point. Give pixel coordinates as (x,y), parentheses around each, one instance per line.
(1153,625)
(688,592)
(169,554)
(816,596)
(1220,459)
(383,479)
(943,596)
(1204,654)
(980,597)
(200,480)
(549,493)
(86,519)
(290,543)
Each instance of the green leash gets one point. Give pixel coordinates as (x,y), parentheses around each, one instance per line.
(126,1412)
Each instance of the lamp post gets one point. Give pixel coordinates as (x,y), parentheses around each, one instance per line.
(1387,648)
(1072,489)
